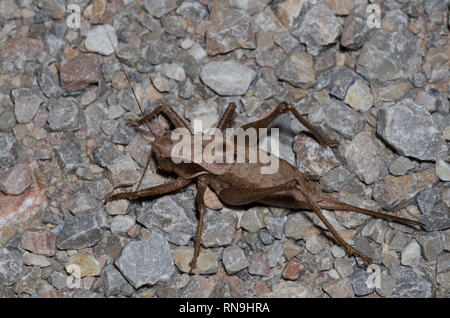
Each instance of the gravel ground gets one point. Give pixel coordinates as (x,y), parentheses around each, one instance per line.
(66,143)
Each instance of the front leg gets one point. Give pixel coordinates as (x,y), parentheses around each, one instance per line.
(284,108)
(199,198)
(161,189)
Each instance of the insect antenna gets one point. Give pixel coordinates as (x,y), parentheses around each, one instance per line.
(137,102)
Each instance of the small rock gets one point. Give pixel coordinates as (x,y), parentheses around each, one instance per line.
(337,251)
(229,29)
(159,8)
(363,157)
(315,243)
(174,71)
(146,262)
(31,259)
(297,69)
(383,54)
(167,217)
(122,223)
(87,264)
(58,280)
(258,266)
(432,247)
(387,285)
(394,192)
(292,270)
(443,264)
(227,78)
(16,180)
(80,71)
(400,166)
(21,48)
(63,114)
(10,151)
(49,83)
(39,241)
(343,267)
(114,245)
(206,261)
(160,51)
(443,170)
(411,130)
(234,259)
(82,202)
(408,284)
(55,9)
(11,266)
(101,39)
(219,230)
(359,97)
(275,225)
(27,104)
(355,30)
(358,280)
(123,171)
(29,282)
(113,280)
(82,230)
(275,253)
(198,287)
(94,114)
(117,207)
(318,28)
(252,220)
(297,226)
(340,288)
(313,159)
(343,119)
(411,254)
(265,237)
(336,178)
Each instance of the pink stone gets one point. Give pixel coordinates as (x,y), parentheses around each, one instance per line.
(80,71)
(259,266)
(39,241)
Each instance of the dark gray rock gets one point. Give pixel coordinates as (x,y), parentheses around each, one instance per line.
(80,231)
(69,155)
(336,178)
(113,281)
(343,119)
(341,80)
(358,280)
(105,154)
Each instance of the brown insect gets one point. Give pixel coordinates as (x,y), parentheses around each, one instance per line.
(241,184)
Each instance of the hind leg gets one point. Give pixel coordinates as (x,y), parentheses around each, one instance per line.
(349,249)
